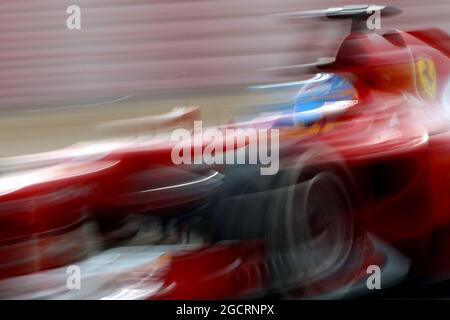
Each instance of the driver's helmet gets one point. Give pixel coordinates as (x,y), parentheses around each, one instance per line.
(326,94)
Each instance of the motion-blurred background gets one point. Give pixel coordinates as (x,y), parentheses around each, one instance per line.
(139,57)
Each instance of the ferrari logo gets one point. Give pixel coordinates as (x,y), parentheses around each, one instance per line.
(426,77)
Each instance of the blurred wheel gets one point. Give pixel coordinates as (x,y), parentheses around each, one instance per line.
(316,236)
(313,233)
(307,214)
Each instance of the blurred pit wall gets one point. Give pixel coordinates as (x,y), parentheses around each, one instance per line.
(146,48)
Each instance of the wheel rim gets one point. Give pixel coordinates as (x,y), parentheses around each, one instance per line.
(318,231)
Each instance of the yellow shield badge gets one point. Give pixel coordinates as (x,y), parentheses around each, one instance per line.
(426,78)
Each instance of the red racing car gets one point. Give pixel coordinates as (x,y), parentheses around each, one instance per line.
(363,150)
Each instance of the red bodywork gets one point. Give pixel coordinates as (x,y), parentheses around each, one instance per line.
(395,143)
